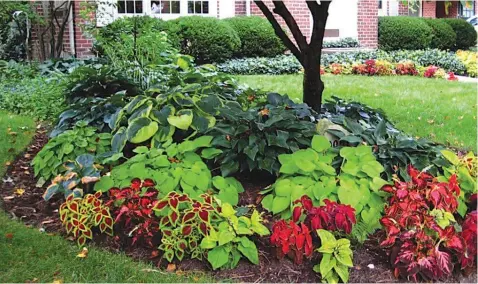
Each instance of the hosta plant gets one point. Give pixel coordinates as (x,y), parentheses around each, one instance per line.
(175,168)
(424,245)
(252,140)
(336,258)
(310,172)
(227,240)
(465,168)
(133,210)
(81,215)
(66,147)
(78,179)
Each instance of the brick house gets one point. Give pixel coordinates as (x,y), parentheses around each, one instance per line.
(347,18)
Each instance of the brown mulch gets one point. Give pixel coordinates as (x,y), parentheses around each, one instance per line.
(371,264)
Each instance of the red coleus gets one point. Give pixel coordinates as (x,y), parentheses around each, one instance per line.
(430,71)
(134,209)
(406,68)
(331,217)
(421,246)
(292,239)
(469,234)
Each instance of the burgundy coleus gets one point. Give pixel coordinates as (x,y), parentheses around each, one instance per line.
(292,240)
(332,216)
(134,209)
(469,235)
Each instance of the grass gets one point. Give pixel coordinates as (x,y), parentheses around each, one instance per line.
(15,134)
(28,255)
(440,110)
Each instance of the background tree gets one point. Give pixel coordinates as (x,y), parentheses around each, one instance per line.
(308,53)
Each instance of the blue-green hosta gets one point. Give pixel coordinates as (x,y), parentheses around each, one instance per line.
(311,172)
(175,167)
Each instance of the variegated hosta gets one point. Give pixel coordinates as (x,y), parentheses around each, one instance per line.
(184,223)
(427,245)
(80,215)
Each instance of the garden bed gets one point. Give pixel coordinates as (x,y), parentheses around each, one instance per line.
(371,264)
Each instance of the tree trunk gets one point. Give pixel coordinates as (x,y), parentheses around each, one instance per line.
(313,86)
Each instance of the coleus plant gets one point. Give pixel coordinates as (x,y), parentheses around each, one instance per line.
(292,239)
(184,222)
(423,245)
(227,240)
(469,234)
(176,167)
(66,147)
(311,172)
(81,215)
(78,179)
(465,168)
(336,258)
(133,210)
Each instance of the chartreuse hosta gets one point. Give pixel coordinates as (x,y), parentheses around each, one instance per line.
(228,239)
(465,168)
(176,167)
(310,172)
(183,111)
(336,258)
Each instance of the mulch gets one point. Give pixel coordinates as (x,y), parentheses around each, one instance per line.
(371,264)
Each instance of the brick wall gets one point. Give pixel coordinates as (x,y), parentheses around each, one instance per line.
(297,8)
(240,7)
(429,9)
(402,9)
(83,43)
(367,23)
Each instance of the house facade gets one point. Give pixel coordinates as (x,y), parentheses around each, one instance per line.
(347,18)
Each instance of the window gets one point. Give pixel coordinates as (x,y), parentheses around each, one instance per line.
(165,7)
(380,4)
(198,7)
(130,7)
(466,9)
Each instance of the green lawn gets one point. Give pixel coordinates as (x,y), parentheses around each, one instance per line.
(441,110)
(26,254)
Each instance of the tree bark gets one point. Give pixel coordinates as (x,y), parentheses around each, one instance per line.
(308,54)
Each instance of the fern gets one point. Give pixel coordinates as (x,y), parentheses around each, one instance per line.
(362,230)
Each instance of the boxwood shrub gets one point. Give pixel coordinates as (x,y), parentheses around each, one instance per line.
(465,33)
(401,32)
(444,37)
(257,37)
(282,64)
(206,39)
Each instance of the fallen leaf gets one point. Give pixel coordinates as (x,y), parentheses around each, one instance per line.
(19,191)
(171,267)
(431,121)
(27,156)
(9,197)
(9,236)
(8,163)
(47,222)
(83,253)
(154,254)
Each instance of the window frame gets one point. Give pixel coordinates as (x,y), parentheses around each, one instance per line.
(462,8)
(183,11)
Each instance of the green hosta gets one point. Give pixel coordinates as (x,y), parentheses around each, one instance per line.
(336,258)
(176,167)
(227,240)
(66,147)
(177,113)
(465,168)
(311,172)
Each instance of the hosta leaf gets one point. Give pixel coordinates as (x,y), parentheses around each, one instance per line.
(279,204)
(225,237)
(320,143)
(182,119)
(218,257)
(104,184)
(450,156)
(209,153)
(229,195)
(141,129)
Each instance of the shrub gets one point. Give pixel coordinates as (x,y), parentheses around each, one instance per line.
(341,43)
(400,32)
(41,98)
(419,225)
(206,39)
(443,37)
(257,37)
(282,64)
(465,33)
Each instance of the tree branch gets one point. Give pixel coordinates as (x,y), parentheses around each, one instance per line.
(279,31)
(281,10)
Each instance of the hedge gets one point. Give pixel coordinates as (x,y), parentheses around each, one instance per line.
(401,32)
(444,37)
(206,39)
(257,37)
(465,33)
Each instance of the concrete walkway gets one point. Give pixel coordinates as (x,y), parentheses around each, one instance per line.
(465,79)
